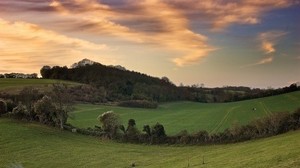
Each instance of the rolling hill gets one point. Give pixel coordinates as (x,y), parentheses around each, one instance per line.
(34,145)
(178,116)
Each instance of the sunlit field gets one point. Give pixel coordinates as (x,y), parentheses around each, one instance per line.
(191,116)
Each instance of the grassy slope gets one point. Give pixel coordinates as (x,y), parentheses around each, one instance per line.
(33,145)
(15,85)
(192,116)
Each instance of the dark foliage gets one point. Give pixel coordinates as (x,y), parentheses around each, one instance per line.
(139,104)
(3,107)
(114,84)
(118,84)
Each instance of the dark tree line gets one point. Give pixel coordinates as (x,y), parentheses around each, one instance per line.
(113,84)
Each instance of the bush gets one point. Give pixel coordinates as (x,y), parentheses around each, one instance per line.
(110,123)
(10,105)
(20,112)
(3,107)
(139,104)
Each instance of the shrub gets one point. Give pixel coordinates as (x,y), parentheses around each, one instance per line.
(3,107)
(110,123)
(20,112)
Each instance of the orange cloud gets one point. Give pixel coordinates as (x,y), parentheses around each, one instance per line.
(173,34)
(25,45)
(269,40)
(161,23)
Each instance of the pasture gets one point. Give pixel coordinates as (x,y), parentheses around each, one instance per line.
(14,85)
(178,116)
(34,145)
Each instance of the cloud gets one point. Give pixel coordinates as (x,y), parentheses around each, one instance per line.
(30,46)
(164,24)
(221,14)
(163,27)
(265,60)
(269,40)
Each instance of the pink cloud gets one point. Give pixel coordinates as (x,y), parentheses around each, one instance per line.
(269,40)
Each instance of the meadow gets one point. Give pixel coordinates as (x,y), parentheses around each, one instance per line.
(13,85)
(30,144)
(34,145)
(191,116)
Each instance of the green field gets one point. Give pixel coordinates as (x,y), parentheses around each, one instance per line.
(32,145)
(191,116)
(15,85)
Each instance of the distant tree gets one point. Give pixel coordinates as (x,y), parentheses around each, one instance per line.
(158,130)
(147,129)
(46,71)
(131,123)
(132,132)
(110,123)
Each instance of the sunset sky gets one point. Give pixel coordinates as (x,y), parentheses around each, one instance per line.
(252,43)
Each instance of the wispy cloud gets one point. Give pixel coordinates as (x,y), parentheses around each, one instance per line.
(159,23)
(269,40)
(263,61)
(169,28)
(25,45)
(221,14)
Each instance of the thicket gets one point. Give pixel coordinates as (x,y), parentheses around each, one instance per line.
(51,108)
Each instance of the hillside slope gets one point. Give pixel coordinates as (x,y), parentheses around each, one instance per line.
(32,145)
(178,116)
(13,85)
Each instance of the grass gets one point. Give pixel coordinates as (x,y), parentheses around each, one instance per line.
(33,145)
(14,85)
(191,116)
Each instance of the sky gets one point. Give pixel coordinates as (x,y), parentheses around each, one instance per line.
(217,43)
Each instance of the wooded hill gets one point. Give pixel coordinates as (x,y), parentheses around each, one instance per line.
(115,84)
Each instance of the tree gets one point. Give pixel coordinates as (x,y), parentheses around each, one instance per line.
(158,130)
(46,111)
(110,123)
(132,132)
(158,133)
(45,72)
(28,97)
(63,102)
(147,129)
